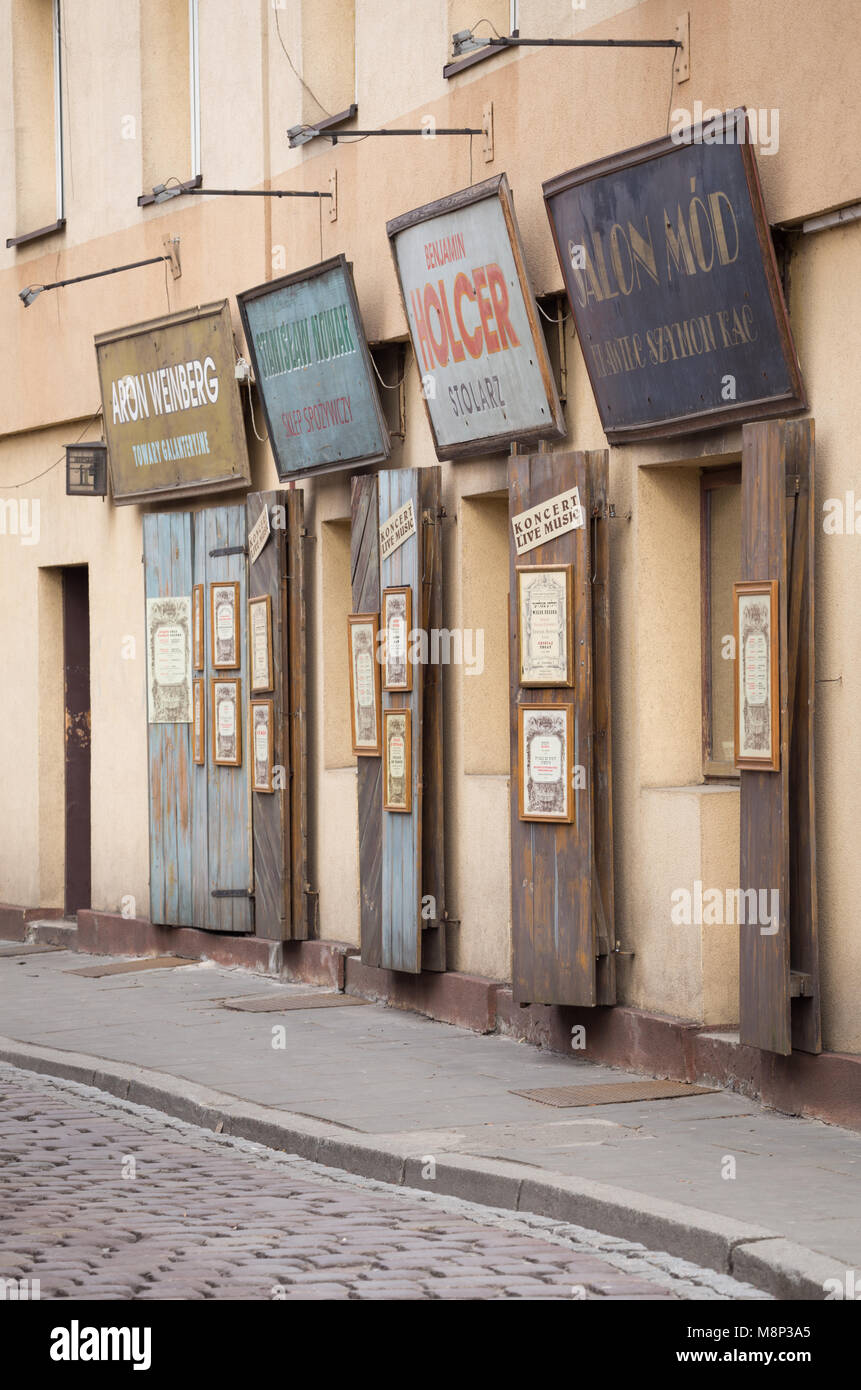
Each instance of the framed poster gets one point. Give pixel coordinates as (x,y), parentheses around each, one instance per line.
(670,272)
(199,725)
(397,760)
(757,679)
(197,626)
(260,643)
(314,371)
(262,745)
(545,765)
(363,633)
(226,721)
(168,651)
(224,624)
(473,320)
(544,624)
(397,625)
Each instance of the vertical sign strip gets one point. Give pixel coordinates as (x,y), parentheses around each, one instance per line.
(365,573)
(402,836)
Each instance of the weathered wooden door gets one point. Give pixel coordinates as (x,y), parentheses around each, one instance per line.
(401,868)
(284,903)
(562,916)
(200,830)
(779,963)
(76,688)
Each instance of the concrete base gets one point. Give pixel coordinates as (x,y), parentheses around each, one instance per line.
(825,1087)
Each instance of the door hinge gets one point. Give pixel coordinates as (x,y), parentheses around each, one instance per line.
(232,893)
(230,550)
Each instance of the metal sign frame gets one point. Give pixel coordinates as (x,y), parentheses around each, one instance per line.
(234,448)
(499,441)
(730,128)
(270,287)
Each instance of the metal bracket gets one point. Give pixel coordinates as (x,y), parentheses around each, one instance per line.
(487,132)
(171,253)
(230,550)
(232,893)
(619,951)
(682,65)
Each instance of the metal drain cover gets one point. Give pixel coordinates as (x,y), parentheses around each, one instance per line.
(128,967)
(613,1092)
(276,1003)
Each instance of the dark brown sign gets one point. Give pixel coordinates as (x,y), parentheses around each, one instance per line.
(173,417)
(671,276)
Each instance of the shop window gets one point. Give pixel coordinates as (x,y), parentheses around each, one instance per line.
(336,605)
(484,686)
(720,543)
(170,92)
(37,95)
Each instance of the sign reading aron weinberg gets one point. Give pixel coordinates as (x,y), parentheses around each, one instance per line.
(313,370)
(486,378)
(173,417)
(671,276)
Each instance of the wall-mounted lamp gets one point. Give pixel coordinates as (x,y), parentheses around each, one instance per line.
(31,292)
(87,469)
(163,192)
(464,41)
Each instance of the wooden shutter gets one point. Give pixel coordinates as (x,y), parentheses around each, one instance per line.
(562,914)
(779,972)
(168,573)
(200,837)
(401,860)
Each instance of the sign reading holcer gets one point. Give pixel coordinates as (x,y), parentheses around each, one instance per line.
(545,522)
(671,276)
(486,378)
(171,404)
(314,372)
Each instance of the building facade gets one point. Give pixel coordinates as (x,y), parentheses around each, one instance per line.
(105,103)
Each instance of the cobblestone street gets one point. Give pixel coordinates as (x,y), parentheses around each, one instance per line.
(104,1200)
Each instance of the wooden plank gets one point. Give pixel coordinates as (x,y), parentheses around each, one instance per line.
(764,997)
(228,787)
(365,577)
(597,467)
(806,1029)
(303,908)
(270,810)
(168,571)
(401,880)
(432,770)
(553,932)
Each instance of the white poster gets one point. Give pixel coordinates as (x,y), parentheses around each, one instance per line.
(168,622)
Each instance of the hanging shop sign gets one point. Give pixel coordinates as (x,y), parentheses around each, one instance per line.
(173,417)
(671,277)
(486,376)
(314,371)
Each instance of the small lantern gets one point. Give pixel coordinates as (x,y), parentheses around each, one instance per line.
(87,470)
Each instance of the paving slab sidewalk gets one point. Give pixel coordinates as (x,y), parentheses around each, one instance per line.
(715,1179)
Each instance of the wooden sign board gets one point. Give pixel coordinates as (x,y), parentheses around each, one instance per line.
(173,418)
(313,370)
(671,276)
(486,376)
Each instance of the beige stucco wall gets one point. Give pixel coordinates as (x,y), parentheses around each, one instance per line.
(551,110)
